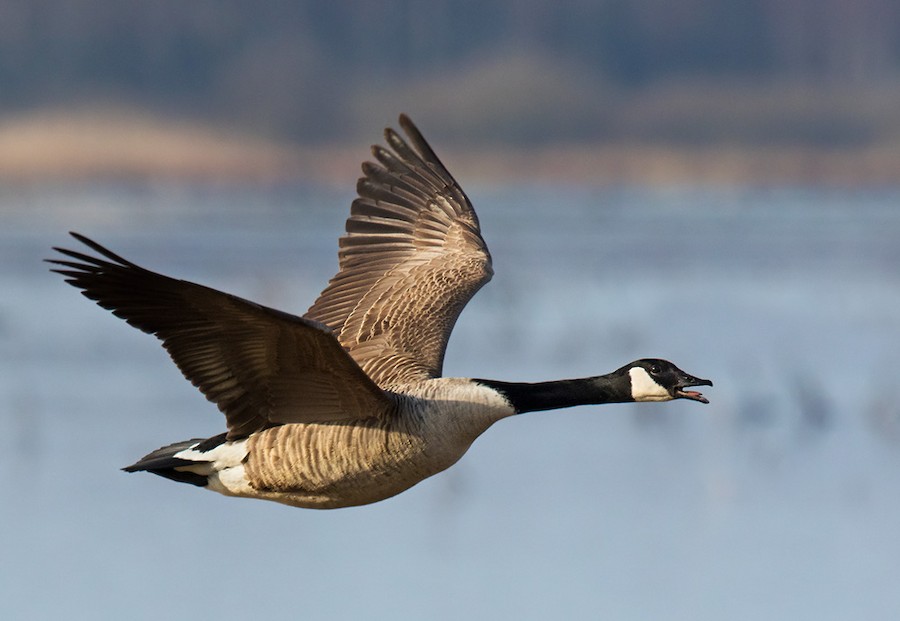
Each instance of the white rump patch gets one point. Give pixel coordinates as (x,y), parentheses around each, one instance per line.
(645,388)
(231,482)
(223,465)
(225,455)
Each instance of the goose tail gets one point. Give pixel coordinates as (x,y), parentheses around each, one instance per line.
(189,461)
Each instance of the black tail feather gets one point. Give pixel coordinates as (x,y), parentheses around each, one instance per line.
(162,461)
(180,476)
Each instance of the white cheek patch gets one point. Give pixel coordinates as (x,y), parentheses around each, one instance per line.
(645,388)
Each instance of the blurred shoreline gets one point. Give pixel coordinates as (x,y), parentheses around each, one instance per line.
(116,145)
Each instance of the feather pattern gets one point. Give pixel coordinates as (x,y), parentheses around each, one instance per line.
(411,258)
(260,366)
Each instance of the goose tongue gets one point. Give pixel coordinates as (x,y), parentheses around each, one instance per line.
(691,394)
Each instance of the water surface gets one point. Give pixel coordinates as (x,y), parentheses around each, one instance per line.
(778,500)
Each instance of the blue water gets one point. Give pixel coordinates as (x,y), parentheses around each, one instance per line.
(779,500)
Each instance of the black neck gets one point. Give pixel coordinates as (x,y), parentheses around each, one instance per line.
(524,397)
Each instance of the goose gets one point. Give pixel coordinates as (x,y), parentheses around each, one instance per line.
(346,405)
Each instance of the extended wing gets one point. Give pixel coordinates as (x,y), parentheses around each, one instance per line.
(412,257)
(260,366)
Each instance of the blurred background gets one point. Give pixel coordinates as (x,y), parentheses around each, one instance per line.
(711,181)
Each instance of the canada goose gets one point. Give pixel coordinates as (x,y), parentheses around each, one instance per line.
(346,405)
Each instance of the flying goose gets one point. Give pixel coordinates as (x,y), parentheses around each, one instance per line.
(346,405)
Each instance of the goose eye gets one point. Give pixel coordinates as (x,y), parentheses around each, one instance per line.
(654,369)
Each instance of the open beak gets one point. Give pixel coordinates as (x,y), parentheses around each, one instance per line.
(689,380)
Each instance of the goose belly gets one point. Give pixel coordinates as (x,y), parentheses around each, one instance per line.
(331,465)
(337,465)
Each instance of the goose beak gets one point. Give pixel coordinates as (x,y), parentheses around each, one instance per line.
(689,380)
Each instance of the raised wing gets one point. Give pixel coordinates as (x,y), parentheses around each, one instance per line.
(260,366)
(412,257)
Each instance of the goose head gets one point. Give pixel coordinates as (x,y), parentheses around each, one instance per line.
(653,379)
